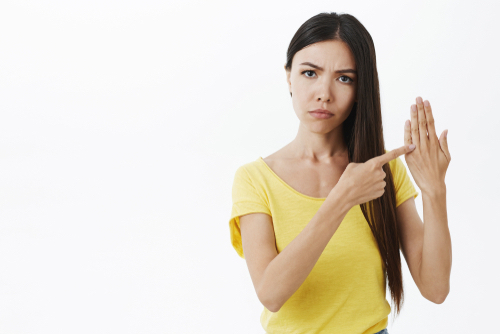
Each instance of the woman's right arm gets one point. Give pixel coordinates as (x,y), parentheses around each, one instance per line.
(275,276)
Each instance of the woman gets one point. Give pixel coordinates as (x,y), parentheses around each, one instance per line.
(321,221)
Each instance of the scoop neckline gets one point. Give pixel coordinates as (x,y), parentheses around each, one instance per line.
(288,186)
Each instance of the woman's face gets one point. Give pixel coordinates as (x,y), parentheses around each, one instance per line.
(315,83)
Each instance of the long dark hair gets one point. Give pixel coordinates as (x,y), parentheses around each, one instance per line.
(362,130)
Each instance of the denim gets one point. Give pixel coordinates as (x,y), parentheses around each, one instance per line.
(383,331)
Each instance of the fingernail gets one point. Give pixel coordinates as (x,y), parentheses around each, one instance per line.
(414,107)
(412,147)
(426,103)
(446,134)
(407,123)
(419,100)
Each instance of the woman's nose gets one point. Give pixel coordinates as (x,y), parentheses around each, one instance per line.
(323,99)
(324,94)
(324,91)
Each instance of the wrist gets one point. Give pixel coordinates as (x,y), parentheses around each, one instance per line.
(435,191)
(340,196)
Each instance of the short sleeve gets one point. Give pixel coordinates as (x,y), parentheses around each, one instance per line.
(246,199)
(402,182)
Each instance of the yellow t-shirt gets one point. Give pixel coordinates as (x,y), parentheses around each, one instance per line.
(345,291)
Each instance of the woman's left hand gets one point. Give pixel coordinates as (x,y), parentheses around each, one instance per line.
(429,160)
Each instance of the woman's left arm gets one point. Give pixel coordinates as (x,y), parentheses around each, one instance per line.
(428,163)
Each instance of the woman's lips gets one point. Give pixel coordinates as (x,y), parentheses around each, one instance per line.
(320,115)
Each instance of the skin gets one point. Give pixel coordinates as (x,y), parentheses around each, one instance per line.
(319,157)
(429,243)
(319,140)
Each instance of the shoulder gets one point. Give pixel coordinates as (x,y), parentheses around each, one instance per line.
(249,175)
(249,169)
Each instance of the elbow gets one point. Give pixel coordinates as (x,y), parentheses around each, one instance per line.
(270,305)
(272,309)
(269,302)
(438,297)
(441,298)
(275,308)
(435,300)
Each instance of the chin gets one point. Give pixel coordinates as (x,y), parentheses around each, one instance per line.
(322,127)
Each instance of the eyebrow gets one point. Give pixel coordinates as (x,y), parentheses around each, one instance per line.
(348,70)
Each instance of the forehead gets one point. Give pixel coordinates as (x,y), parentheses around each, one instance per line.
(327,54)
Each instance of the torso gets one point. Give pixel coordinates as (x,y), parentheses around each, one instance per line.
(314,180)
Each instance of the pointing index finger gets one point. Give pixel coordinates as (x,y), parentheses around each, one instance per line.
(391,155)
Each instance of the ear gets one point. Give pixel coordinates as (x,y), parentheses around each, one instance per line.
(288,74)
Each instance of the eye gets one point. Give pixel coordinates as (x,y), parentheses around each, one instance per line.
(349,81)
(308,71)
(346,80)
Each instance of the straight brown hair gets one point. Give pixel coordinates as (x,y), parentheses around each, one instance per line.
(363,133)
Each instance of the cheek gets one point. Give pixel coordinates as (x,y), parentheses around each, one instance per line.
(346,99)
(299,99)
(304,96)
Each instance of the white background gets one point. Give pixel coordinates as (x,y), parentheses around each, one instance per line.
(123,122)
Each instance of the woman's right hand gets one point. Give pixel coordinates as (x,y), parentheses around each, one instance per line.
(363,182)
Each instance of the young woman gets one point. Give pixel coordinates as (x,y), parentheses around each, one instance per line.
(321,221)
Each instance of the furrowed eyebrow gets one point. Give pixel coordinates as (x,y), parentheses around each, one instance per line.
(348,70)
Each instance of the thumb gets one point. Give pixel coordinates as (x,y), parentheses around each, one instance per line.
(443,142)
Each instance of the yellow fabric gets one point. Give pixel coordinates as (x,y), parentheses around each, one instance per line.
(345,291)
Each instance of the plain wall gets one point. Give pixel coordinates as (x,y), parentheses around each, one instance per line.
(123,123)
